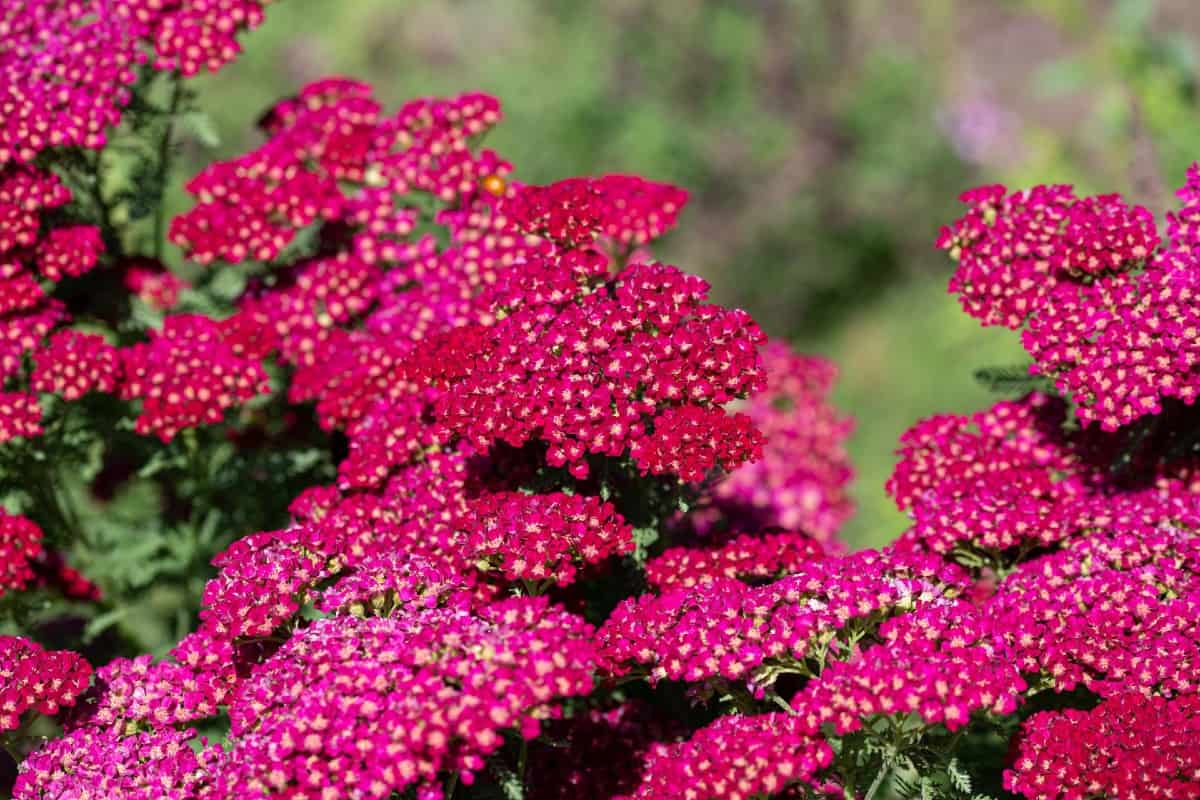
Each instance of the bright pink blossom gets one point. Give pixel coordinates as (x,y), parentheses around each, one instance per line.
(33,678)
(74,363)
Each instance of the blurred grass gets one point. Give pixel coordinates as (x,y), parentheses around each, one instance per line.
(910,354)
(813,136)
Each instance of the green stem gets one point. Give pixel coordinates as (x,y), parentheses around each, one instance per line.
(164,158)
(94,184)
(877,783)
(784,704)
(522,761)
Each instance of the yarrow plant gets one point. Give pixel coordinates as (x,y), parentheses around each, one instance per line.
(379,473)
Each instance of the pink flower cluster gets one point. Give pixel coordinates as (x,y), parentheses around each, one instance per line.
(1107,313)
(736,758)
(626,210)
(726,629)
(33,678)
(129,693)
(27,314)
(73,364)
(147,765)
(20,416)
(1111,612)
(187,375)
(87,52)
(639,364)
(150,282)
(801,481)
(20,543)
(748,557)
(332,131)
(1014,249)
(1006,481)
(1131,745)
(363,708)
(942,662)
(545,538)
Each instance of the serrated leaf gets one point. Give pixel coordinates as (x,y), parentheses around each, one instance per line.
(508,781)
(959,778)
(643,538)
(202,128)
(100,624)
(1012,379)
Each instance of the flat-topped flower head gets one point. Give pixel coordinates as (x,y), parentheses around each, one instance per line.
(545,538)
(148,765)
(1130,745)
(24,193)
(31,678)
(373,706)
(625,210)
(74,363)
(140,692)
(727,629)
(640,364)
(20,416)
(942,662)
(736,758)
(69,251)
(1110,613)
(1013,249)
(187,375)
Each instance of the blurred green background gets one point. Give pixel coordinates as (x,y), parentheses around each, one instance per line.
(824,142)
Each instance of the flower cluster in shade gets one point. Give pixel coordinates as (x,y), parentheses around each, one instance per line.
(1106,304)
(801,481)
(20,544)
(33,678)
(1131,745)
(748,557)
(597,752)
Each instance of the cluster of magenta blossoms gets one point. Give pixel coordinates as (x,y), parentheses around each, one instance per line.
(527,422)
(1105,302)
(458,493)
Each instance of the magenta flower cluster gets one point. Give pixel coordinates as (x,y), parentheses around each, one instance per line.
(579,536)
(33,678)
(545,537)
(748,634)
(1130,745)
(1106,305)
